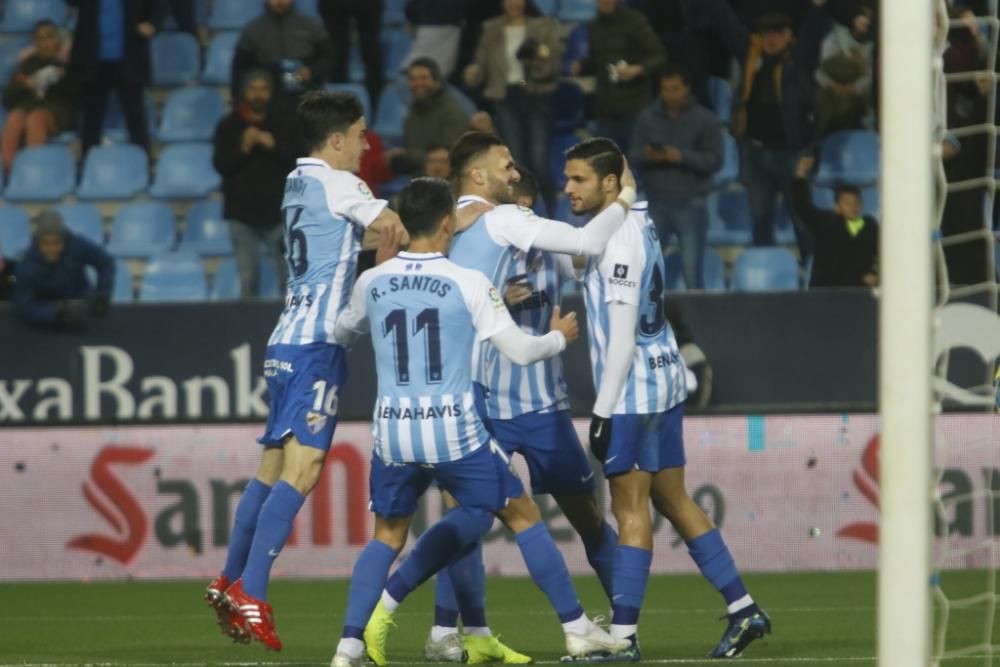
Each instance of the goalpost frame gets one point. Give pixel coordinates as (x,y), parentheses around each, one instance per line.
(905,330)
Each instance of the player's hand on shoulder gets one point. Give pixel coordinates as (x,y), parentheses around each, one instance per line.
(467,215)
(600,436)
(389,243)
(567,324)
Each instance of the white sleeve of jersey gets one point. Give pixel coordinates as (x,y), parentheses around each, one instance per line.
(621,267)
(514,225)
(347,196)
(353,321)
(489,312)
(622,320)
(565,270)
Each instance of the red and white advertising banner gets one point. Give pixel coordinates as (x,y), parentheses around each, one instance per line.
(789,493)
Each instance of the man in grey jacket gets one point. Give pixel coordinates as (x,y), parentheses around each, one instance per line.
(295,48)
(677,146)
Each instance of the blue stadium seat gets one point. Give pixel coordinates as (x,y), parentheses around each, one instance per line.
(269,287)
(175,58)
(116,171)
(174,276)
(713,272)
(577,11)
(226,283)
(570,107)
(15,231)
(191,114)
(219,59)
(358,91)
(233,14)
(115,129)
(765,270)
(206,232)
(729,218)
(720,98)
(547,7)
(395,47)
(823,198)
(393,14)
(784,227)
(559,143)
(468,106)
(871,201)
(391,113)
(730,169)
(122,290)
(142,229)
(22,15)
(8,55)
(41,173)
(577,47)
(83,220)
(185,171)
(849,156)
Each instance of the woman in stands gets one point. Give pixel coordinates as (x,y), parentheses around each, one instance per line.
(39,98)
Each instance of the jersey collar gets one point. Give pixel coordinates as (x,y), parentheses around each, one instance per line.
(311,162)
(469,199)
(420,255)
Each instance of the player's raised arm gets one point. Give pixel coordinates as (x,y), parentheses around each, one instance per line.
(387,219)
(603,160)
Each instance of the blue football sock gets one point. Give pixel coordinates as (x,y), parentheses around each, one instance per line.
(468,576)
(455,533)
(445,607)
(244,526)
(274,525)
(712,556)
(548,571)
(370,572)
(631,575)
(600,550)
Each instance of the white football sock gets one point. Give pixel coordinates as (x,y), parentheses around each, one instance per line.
(439,632)
(477,631)
(579,626)
(351,647)
(623,631)
(742,603)
(389,602)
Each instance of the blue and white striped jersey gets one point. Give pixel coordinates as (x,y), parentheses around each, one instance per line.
(325,213)
(425,314)
(499,245)
(631,271)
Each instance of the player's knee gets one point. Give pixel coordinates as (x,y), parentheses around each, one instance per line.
(520,513)
(672,505)
(392,533)
(304,476)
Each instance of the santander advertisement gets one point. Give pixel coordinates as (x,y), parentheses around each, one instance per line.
(790,494)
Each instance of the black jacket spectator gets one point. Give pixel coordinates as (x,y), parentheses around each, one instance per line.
(840,259)
(85,59)
(277,38)
(52,287)
(253,183)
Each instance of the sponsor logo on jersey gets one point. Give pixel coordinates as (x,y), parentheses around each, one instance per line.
(620,276)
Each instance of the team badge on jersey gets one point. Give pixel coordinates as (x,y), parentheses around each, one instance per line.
(363,189)
(497,300)
(315,421)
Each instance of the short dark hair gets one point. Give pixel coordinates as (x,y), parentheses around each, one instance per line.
(602,154)
(423,203)
(846,189)
(436,147)
(527,186)
(676,69)
(322,113)
(43,23)
(428,63)
(470,146)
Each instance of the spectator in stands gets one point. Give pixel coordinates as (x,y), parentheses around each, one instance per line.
(39,98)
(52,288)
(846,253)
(294,47)
(773,118)
(625,55)
(366,16)
(436,118)
(517,63)
(111,53)
(845,75)
(677,146)
(255,148)
(437,163)
(437,31)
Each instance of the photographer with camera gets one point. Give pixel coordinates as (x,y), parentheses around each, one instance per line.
(517,63)
(52,288)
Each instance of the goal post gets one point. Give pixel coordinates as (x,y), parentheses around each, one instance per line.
(909,152)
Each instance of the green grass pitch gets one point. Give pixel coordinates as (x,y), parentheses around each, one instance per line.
(819,619)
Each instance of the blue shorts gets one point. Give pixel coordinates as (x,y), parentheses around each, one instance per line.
(304,382)
(481,480)
(551,447)
(646,442)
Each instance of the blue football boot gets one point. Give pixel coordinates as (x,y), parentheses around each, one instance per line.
(740,632)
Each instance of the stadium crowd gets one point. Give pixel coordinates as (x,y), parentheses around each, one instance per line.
(751,124)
